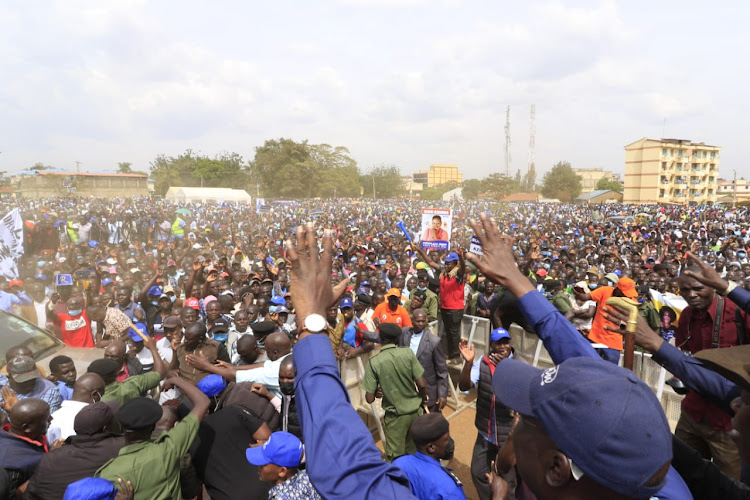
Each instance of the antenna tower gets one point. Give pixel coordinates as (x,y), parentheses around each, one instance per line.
(532,139)
(507,141)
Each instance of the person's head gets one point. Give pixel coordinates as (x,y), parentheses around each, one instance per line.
(95,418)
(89,388)
(165,303)
(277,345)
(489,287)
(418,298)
(241,320)
(22,373)
(332,313)
(194,335)
(437,222)
(75,305)
(188,315)
(278,459)
(106,368)
(419,320)
(696,294)
(500,343)
(286,376)
(138,418)
(213,310)
(423,282)
(411,284)
(63,370)
(36,290)
(30,418)
(213,387)
(252,313)
(394,298)
(431,435)
(582,433)
(116,350)
(124,294)
(247,349)
(389,333)
(377,299)
(172,327)
(347,309)
(451,261)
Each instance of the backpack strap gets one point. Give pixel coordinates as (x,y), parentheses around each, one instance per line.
(717,321)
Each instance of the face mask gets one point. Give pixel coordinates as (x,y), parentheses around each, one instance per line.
(450,448)
(278,242)
(741,255)
(286,388)
(609,283)
(154,302)
(75,312)
(173,299)
(423,288)
(546,266)
(593,285)
(220,337)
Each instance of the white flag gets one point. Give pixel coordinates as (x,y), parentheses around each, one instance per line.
(11,243)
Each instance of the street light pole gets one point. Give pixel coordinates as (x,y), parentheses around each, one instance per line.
(734,190)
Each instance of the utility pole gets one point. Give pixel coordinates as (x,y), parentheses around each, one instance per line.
(78,167)
(734,190)
(507,141)
(373,184)
(257,190)
(532,144)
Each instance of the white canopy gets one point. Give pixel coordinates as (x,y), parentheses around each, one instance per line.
(207,195)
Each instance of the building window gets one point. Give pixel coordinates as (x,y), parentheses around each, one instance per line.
(664,151)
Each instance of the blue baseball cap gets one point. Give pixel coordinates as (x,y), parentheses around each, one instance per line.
(282,449)
(346,302)
(365,283)
(90,488)
(154,290)
(212,385)
(499,334)
(107,281)
(93,243)
(134,335)
(278,300)
(43,277)
(452,257)
(595,412)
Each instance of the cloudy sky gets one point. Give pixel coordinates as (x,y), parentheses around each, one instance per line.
(405,82)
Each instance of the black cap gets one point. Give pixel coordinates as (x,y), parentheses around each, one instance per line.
(364,298)
(263,328)
(428,428)
(139,413)
(389,330)
(94,417)
(220,325)
(106,368)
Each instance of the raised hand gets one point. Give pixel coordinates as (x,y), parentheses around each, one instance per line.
(708,275)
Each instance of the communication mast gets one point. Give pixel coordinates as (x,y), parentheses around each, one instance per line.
(532,140)
(507,141)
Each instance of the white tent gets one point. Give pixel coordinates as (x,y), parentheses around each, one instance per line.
(207,195)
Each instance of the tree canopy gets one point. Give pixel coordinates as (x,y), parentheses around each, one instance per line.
(561,182)
(608,184)
(190,169)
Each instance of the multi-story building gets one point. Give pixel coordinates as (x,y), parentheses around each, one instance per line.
(671,171)
(590,176)
(438,174)
(728,192)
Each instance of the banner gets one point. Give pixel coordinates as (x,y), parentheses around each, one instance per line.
(11,243)
(670,308)
(436,228)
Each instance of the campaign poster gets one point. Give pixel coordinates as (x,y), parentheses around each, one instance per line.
(476,246)
(436,228)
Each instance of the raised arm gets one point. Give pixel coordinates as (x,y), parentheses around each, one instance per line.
(425,257)
(322,399)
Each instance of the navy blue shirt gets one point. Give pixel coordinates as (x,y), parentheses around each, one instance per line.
(428,479)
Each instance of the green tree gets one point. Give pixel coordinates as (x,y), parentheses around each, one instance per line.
(499,186)
(472,189)
(518,178)
(561,182)
(39,166)
(124,167)
(288,169)
(387,182)
(608,184)
(189,169)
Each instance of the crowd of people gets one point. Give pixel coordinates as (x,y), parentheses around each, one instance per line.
(221,331)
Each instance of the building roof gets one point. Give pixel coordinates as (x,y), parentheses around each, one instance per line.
(521,197)
(88,174)
(596,193)
(682,142)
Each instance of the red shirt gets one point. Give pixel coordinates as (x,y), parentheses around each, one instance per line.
(124,373)
(75,331)
(451,292)
(699,327)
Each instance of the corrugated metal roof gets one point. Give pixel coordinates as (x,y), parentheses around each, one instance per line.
(88,174)
(594,194)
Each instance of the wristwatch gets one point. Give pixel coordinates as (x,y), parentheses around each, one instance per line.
(314,323)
